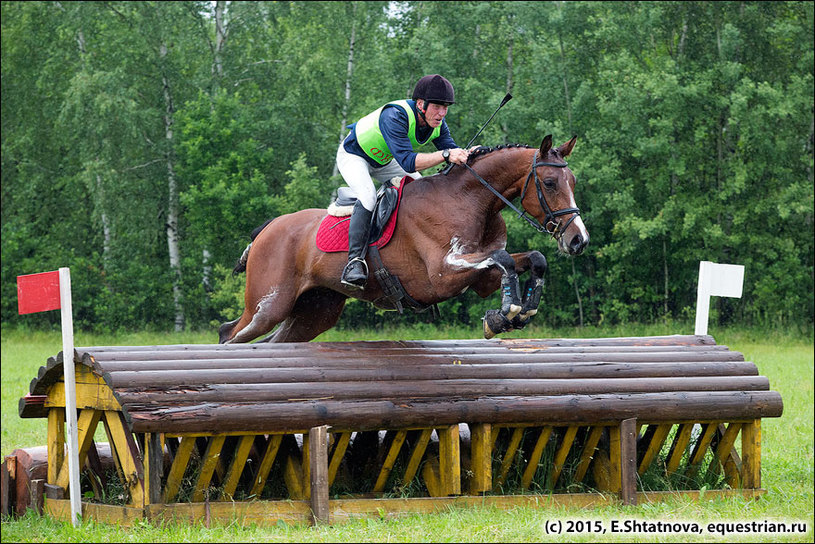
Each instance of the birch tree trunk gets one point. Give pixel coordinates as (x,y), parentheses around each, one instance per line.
(349,73)
(571,131)
(172,199)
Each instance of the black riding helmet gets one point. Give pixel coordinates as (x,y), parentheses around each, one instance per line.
(434,88)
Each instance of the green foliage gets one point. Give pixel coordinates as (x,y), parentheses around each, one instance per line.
(694,124)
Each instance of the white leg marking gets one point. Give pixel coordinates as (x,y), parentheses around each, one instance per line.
(454,260)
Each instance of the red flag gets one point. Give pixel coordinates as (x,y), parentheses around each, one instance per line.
(38,292)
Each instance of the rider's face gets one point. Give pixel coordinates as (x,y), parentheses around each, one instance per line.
(435,113)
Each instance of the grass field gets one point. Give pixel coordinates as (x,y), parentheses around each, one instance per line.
(787,459)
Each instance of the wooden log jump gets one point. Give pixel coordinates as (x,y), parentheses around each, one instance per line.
(257,424)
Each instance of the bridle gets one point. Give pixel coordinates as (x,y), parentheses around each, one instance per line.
(551,218)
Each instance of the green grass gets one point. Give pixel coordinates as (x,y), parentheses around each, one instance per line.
(787,456)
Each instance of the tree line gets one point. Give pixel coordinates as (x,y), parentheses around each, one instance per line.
(143,141)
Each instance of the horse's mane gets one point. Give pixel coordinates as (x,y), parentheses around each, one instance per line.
(483,150)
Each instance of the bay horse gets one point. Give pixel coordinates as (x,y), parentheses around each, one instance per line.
(450,236)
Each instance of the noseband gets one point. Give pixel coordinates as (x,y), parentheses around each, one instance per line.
(551,217)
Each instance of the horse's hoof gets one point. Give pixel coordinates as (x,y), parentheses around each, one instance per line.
(495,323)
(514,310)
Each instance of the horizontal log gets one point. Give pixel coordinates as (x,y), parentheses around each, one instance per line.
(672,340)
(192,378)
(170,355)
(386,360)
(441,389)
(370,415)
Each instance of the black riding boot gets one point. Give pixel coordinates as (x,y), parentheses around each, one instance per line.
(356,271)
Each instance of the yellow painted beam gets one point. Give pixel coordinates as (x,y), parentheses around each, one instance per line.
(269,455)
(390,460)
(86,426)
(481,454)
(129,457)
(535,457)
(236,466)
(751,455)
(680,444)
(588,453)
(336,456)
(177,469)
(56,442)
(561,454)
(208,464)
(416,456)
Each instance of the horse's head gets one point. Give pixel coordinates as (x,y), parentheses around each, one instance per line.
(551,196)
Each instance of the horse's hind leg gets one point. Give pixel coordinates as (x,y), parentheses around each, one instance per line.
(225,330)
(315,311)
(260,317)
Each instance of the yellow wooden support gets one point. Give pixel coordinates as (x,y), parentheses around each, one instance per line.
(305,466)
(179,466)
(86,426)
(208,464)
(416,456)
(56,442)
(293,475)
(259,482)
(129,457)
(387,466)
(680,444)
(561,454)
(724,454)
(236,466)
(588,453)
(91,392)
(450,459)
(534,459)
(698,455)
(337,454)
(431,476)
(119,472)
(751,455)
(509,456)
(615,457)
(481,454)
(657,441)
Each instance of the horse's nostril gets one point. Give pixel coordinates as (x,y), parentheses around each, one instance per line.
(577,244)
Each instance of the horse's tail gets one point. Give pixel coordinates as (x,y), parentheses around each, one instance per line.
(240,266)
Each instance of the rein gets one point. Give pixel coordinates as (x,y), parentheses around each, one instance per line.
(551,217)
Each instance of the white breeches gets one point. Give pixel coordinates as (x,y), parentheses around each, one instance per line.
(359,175)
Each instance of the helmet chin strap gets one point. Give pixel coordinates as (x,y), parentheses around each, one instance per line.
(422,111)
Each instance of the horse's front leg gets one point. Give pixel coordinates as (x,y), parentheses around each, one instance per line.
(498,321)
(533,288)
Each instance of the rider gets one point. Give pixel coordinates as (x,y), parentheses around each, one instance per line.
(381,146)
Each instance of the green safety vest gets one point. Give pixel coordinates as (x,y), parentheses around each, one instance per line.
(372,142)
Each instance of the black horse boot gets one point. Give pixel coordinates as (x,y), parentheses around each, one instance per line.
(356,271)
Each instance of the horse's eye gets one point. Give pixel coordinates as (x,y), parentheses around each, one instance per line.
(550,183)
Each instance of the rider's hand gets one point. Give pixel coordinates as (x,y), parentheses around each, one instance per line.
(459,156)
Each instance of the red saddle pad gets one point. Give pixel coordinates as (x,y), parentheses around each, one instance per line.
(332,235)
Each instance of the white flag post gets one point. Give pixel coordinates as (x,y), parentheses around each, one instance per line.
(716,280)
(70,393)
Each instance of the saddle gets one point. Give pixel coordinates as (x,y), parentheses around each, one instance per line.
(332,235)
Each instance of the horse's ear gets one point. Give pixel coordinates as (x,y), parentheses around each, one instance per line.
(566,148)
(546,145)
